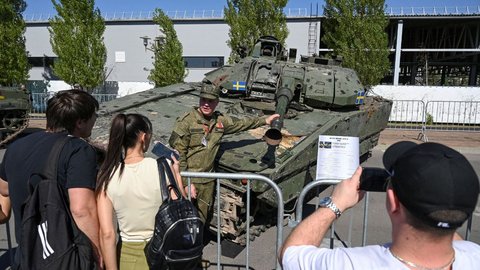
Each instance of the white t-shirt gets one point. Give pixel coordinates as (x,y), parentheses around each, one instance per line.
(467,256)
(136,198)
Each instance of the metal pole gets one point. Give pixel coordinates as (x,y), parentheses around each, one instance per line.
(248,224)
(398,52)
(219,250)
(306,189)
(365,219)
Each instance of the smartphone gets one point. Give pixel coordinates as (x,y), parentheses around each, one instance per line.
(374,179)
(161,150)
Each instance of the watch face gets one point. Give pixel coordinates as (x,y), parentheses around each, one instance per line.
(325,201)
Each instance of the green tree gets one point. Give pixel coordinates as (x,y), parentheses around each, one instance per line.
(168,67)
(76,36)
(355,29)
(13,57)
(251,19)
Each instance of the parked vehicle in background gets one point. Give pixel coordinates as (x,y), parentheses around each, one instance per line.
(15,105)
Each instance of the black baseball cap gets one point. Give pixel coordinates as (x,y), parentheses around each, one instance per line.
(431,177)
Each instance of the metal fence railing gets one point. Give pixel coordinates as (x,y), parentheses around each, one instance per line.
(421,11)
(218,177)
(39,102)
(104,97)
(289,12)
(407,114)
(452,115)
(249,177)
(435,116)
(172,14)
(301,200)
(465,230)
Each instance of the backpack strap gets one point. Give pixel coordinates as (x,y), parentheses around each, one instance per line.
(163,180)
(50,170)
(164,168)
(173,184)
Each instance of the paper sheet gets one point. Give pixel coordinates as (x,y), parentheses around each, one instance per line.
(338,157)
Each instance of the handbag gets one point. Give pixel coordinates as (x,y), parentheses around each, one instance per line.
(177,241)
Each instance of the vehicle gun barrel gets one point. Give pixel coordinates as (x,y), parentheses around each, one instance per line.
(273,136)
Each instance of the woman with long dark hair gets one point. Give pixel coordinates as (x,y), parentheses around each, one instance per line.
(128,188)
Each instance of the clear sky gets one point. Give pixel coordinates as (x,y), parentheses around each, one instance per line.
(46,7)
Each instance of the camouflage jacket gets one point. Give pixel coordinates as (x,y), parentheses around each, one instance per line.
(198,140)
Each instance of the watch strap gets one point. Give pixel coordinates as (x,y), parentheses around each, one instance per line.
(332,206)
(335,209)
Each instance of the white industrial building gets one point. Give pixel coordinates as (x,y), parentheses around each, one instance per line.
(129,62)
(204,38)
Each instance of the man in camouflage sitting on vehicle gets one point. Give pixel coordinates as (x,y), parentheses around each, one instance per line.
(196,136)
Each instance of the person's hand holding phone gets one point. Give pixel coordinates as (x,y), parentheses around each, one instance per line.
(346,194)
(374,179)
(161,150)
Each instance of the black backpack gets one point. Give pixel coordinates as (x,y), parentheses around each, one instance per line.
(177,241)
(50,238)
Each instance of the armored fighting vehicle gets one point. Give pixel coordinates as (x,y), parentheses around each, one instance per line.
(315,96)
(15,105)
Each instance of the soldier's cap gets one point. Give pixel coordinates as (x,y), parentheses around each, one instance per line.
(430,178)
(209,91)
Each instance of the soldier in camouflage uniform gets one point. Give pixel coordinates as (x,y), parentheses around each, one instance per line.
(196,136)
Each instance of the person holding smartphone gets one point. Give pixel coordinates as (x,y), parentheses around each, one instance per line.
(129,187)
(197,135)
(431,191)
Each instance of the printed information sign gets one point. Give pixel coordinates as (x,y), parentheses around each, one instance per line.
(338,157)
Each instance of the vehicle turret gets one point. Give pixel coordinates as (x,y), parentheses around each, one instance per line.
(268,75)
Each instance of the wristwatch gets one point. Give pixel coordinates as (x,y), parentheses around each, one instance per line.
(328,203)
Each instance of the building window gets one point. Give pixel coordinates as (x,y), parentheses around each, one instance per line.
(42,61)
(203,61)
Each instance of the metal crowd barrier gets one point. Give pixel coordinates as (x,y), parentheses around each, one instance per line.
(453,115)
(435,116)
(218,177)
(249,177)
(303,194)
(407,114)
(39,102)
(301,200)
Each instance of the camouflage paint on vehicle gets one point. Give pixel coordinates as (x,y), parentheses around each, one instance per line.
(15,105)
(314,97)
